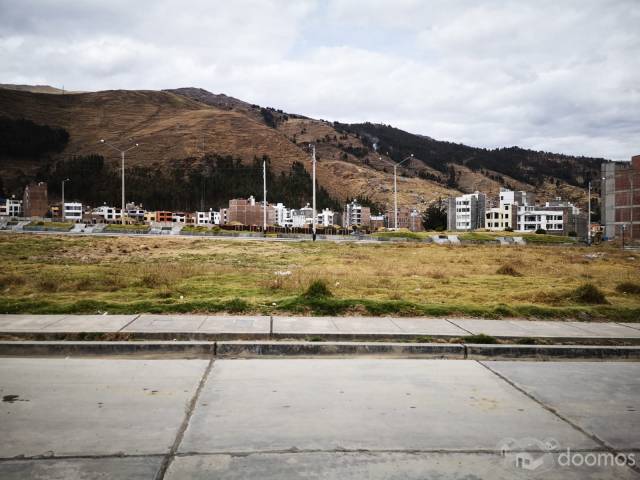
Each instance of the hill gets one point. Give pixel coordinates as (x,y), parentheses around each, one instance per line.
(179,127)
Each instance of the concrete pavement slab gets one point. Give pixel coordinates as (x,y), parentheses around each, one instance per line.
(166,323)
(93,407)
(382,466)
(356,325)
(601,398)
(236,324)
(428,326)
(27,323)
(132,468)
(606,329)
(304,325)
(266,405)
(90,323)
(539,328)
(635,326)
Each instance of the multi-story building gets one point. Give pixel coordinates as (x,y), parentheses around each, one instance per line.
(325,218)
(150,217)
(163,216)
(466,212)
(72,211)
(208,218)
(11,208)
(356,215)
(249,212)
(135,212)
(34,200)
(109,214)
(620,209)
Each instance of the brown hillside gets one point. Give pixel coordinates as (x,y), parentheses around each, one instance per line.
(170,126)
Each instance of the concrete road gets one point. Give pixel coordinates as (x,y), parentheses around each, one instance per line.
(324,418)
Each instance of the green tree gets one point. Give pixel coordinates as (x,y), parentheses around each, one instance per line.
(435,216)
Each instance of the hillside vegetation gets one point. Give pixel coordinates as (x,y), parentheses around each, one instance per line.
(177,128)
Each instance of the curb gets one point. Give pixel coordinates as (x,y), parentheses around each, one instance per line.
(474,351)
(252,349)
(256,349)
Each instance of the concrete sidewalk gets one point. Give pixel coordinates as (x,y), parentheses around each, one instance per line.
(316,418)
(335,328)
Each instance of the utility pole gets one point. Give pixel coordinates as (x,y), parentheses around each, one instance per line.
(264,197)
(589,218)
(62,203)
(632,202)
(313,220)
(122,152)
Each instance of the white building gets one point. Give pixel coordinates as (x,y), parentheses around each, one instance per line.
(466,212)
(179,217)
(109,214)
(204,218)
(72,211)
(532,218)
(135,212)
(325,218)
(11,208)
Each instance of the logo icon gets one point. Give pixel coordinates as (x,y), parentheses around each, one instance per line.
(528,454)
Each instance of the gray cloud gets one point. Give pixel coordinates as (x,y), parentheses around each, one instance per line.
(548,75)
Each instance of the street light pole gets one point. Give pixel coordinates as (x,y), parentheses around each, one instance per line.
(395,190)
(313,219)
(62,203)
(122,152)
(264,197)
(589,218)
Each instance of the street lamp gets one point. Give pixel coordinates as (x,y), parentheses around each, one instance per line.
(313,219)
(62,203)
(395,189)
(122,152)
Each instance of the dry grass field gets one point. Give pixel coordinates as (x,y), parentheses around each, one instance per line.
(63,274)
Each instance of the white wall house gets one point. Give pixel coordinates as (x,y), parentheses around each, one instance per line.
(109,214)
(11,208)
(204,218)
(72,211)
(325,217)
(532,218)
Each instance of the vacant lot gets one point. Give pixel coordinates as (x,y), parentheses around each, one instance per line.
(60,274)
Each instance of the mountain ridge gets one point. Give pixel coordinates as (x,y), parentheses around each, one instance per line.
(353,159)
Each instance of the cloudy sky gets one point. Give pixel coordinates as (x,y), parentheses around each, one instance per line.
(556,75)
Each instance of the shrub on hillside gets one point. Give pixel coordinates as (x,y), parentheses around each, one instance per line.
(541,231)
(589,293)
(318,289)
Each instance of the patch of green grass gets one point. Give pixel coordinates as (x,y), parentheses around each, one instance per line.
(118,227)
(50,226)
(526,341)
(547,239)
(477,237)
(480,338)
(400,234)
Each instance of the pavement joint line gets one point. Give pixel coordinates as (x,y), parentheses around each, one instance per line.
(206,317)
(55,321)
(555,412)
(458,326)
(98,456)
(129,323)
(335,325)
(374,451)
(628,326)
(168,458)
(239,453)
(392,320)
